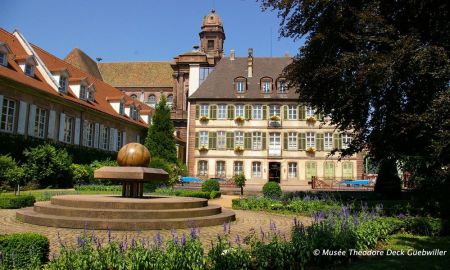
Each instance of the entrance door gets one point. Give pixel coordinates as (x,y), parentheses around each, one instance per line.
(274,171)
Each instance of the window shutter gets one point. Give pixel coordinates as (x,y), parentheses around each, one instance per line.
(248,140)
(62,121)
(77,131)
(230,140)
(319,141)
(1,105)
(124,137)
(264,112)
(285,112)
(97,135)
(301,141)
(285,141)
(111,139)
(31,120)
(337,141)
(264,141)
(347,170)
(196,140)
(197,111)
(248,112)
(320,116)
(85,135)
(212,140)
(230,109)
(100,137)
(51,125)
(213,112)
(22,117)
(301,112)
(328,169)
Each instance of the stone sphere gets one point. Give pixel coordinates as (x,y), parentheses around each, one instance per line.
(133,155)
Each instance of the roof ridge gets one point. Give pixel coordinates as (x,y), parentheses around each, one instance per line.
(125,62)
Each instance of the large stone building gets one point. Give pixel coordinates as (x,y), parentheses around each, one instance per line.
(44,97)
(244,119)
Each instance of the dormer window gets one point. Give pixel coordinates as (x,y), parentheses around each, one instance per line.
(134,111)
(152,101)
(3,59)
(266,85)
(62,84)
(133,96)
(29,70)
(169,101)
(83,92)
(91,93)
(282,86)
(4,51)
(240,85)
(27,63)
(61,77)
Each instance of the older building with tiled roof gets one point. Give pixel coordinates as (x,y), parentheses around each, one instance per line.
(44,97)
(244,119)
(81,60)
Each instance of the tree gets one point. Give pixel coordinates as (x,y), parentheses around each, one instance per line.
(376,67)
(160,140)
(239,181)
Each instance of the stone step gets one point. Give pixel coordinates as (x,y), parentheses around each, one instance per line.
(28,215)
(117,202)
(58,210)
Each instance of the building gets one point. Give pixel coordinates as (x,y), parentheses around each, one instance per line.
(244,119)
(45,97)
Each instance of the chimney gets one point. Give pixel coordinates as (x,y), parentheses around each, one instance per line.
(232,55)
(250,63)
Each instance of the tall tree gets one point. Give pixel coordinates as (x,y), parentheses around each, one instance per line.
(160,139)
(376,67)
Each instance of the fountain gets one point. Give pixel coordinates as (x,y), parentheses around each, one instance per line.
(130,211)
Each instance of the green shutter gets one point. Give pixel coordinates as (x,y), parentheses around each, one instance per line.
(196,139)
(320,117)
(230,109)
(264,112)
(197,111)
(264,141)
(319,141)
(285,141)
(337,141)
(347,170)
(212,140)
(285,112)
(301,112)
(248,140)
(328,169)
(213,112)
(301,141)
(230,140)
(248,112)
(310,169)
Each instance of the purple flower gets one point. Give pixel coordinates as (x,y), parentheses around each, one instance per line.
(401,216)
(109,235)
(194,233)
(158,239)
(133,242)
(237,239)
(272,226)
(183,239)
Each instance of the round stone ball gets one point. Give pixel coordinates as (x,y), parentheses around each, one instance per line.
(133,155)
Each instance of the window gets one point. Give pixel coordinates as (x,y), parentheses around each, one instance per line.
(68,129)
(204,110)
(257,141)
(239,138)
(310,169)
(203,140)
(292,170)
(257,112)
(89,134)
(239,110)
(292,141)
(220,168)
(346,140)
(83,94)
(347,170)
(29,70)
(309,111)
(135,115)
(133,96)
(266,86)
(8,115)
(119,140)
(121,108)
(292,112)
(62,84)
(221,140)
(104,138)
(203,168)
(256,169)
(274,110)
(328,141)
(152,101)
(221,111)
(3,59)
(40,122)
(240,86)
(169,101)
(282,87)
(91,94)
(310,140)
(238,167)
(210,44)
(328,168)
(204,72)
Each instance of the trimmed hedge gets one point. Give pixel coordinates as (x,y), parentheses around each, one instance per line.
(114,188)
(210,185)
(272,190)
(23,250)
(188,193)
(15,202)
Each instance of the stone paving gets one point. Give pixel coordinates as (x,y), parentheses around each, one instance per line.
(245,221)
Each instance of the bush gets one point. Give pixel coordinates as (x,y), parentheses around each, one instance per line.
(48,166)
(210,185)
(15,202)
(215,194)
(188,193)
(388,183)
(23,251)
(11,174)
(170,168)
(113,188)
(272,190)
(81,174)
(424,226)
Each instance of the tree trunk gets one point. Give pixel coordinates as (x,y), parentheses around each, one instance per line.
(242,191)
(388,184)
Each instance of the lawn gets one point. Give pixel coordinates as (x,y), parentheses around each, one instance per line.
(406,242)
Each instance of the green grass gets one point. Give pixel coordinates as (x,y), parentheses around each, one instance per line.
(406,242)
(46,194)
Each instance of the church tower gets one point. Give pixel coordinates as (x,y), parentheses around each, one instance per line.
(212,36)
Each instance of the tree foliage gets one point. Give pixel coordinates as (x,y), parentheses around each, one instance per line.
(160,140)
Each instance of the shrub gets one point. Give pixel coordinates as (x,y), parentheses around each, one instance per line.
(272,190)
(113,188)
(424,225)
(81,174)
(210,185)
(170,168)
(15,202)
(48,166)
(388,183)
(224,256)
(11,174)
(215,194)
(23,251)
(188,193)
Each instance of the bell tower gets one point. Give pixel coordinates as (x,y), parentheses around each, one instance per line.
(212,36)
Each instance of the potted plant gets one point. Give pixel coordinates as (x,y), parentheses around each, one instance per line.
(203,149)
(275,118)
(311,150)
(204,118)
(239,119)
(311,120)
(238,149)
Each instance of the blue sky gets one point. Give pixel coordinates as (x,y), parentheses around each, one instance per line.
(133,30)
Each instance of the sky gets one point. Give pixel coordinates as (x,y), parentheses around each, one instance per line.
(140,30)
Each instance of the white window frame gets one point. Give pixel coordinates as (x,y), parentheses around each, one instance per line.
(310,140)
(119,140)
(292,141)
(346,140)
(257,112)
(257,141)
(266,86)
(221,140)
(169,101)
(328,141)
(240,110)
(3,59)
(239,138)
(152,101)
(104,138)
(240,86)
(220,168)
(256,169)
(8,115)
(90,133)
(292,170)
(204,110)
(62,84)
(309,111)
(202,167)
(29,70)
(40,122)
(222,111)
(292,112)
(203,139)
(238,167)
(274,109)
(121,108)
(68,129)
(282,86)
(83,92)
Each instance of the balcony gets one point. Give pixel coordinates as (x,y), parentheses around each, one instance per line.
(274,122)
